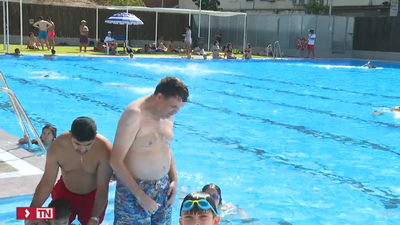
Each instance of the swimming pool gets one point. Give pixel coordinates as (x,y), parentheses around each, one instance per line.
(289,140)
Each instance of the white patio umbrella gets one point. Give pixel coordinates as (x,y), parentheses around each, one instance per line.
(124,19)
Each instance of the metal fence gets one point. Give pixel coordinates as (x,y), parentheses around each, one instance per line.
(334,33)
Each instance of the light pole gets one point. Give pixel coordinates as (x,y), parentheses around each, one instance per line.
(198,32)
(162,3)
(330,7)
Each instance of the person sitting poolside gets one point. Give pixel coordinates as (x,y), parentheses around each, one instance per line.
(198,208)
(32,41)
(161,48)
(146,49)
(111,44)
(171,47)
(62,210)
(100,46)
(227,210)
(247,52)
(215,49)
(369,65)
(49,134)
(392,110)
(229,52)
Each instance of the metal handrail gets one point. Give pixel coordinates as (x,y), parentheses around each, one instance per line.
(19,110)
(277,47)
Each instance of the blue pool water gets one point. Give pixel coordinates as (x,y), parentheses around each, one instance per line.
(291,140)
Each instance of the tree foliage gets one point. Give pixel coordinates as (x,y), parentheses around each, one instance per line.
(316,7)
(207,4)
(124,2)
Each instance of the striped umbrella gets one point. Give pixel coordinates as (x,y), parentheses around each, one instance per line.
(124,19)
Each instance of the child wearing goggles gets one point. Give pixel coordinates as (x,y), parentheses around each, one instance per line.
(198,208)
(228,211)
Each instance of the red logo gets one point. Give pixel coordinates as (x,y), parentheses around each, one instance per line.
(35,213)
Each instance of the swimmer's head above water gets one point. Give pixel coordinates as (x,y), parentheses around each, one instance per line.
(83,133)
(49,134)
(171,94)
(215,192)
(62,212)
(198,208)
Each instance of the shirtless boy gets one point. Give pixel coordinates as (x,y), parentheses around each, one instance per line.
(32,41)
(43,25)
(83,156)
(142,158)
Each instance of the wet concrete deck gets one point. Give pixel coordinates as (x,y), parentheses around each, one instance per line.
(23,181)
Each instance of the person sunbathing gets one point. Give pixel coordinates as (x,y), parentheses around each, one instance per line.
(100,46)
(171,47)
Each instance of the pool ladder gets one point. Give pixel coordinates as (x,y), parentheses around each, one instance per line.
(277,50)
(20,112)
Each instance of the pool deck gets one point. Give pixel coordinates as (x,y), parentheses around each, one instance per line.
(29,168)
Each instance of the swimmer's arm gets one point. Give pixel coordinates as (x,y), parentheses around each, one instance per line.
(104,173)
(128,127)
(49,177)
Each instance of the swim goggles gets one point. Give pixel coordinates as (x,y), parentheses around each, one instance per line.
(202,204)
(216,197)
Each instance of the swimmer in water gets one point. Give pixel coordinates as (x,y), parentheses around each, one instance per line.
(17,52)
(62,210)
(53,54)
(369,65)
(131,56)
(49,134)
(227,210)
(393,110)
(198,208)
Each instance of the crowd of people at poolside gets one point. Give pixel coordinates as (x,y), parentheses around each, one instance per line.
(140,162)
(109,44)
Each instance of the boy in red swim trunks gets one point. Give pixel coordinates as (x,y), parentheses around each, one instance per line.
(51,33)
(83,156)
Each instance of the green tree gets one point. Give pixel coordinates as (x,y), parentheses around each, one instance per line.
(316,7)
(126,2)
(208,4)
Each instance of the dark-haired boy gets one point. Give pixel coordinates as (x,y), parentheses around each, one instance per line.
(83,156)
(198,208)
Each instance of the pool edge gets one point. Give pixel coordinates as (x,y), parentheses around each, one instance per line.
(23,184)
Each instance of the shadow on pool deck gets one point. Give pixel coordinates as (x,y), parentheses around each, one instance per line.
(18,185)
